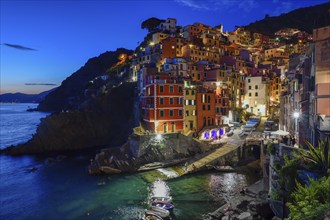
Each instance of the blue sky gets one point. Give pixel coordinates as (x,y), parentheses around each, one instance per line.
(60,36)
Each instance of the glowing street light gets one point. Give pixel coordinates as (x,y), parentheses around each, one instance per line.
(296,115)
(158,137)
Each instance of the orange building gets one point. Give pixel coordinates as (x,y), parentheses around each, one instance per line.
(205,103)
(162,104)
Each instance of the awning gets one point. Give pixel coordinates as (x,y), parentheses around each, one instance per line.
(280,132)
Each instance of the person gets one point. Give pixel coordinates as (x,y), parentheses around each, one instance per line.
(293,141)
(186,166)
(285,140)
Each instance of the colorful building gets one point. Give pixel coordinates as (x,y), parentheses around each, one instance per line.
(162,104)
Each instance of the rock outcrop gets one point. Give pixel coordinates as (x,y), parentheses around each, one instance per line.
(102,121)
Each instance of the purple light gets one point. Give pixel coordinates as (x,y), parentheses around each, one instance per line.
(206,135)
(214,134)
(222,132)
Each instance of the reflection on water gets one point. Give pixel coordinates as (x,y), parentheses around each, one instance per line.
(159,188)
(62,189)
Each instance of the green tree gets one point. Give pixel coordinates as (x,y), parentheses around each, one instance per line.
(151,23)
(311,202)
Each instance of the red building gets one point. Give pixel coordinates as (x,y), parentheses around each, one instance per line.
(162,104)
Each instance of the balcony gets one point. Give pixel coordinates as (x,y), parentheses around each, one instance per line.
(323,123)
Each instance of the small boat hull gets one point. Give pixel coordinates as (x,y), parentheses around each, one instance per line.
(158,211)
(166,199)
(164,205)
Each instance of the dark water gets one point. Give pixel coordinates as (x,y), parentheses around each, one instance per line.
(61,188)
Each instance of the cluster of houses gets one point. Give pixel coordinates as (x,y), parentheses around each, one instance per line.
(197,76)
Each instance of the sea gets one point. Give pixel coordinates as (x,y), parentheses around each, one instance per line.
(59,186)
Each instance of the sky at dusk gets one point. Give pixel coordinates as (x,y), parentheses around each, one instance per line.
(44,42)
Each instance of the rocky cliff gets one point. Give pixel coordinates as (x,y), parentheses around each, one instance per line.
(105,120)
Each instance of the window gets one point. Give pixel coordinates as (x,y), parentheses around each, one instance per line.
(250,87)
(171,113)
(187,113)
(161,113)
(171,89)
(203,98)
(208,99)
(187,92)
(203,107)
(187,102)
(180,88)
(249,80)
(194,112)
(193,92)
(208,107)
(256,94)
(180,112)
(161,88)
(161,101)
(250,94)
(256,87)
(171,101)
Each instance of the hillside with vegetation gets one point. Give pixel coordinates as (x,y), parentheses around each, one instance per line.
(89,79)
(304,19)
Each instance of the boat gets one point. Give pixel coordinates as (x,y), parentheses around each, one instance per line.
(164,205)
(166,199)
(151,166)
(158,211)
(224,168)
(151,216)
(109,170)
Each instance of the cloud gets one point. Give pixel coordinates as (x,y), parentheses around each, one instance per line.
(40,84)
(194,4)
(214,5)
(19,47)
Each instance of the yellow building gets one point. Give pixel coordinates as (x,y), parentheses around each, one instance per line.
(276,53)
(158,37)
(190,114)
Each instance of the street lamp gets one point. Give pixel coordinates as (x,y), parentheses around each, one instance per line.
(296,115)
(158,137)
